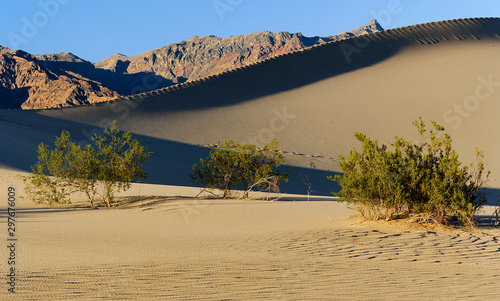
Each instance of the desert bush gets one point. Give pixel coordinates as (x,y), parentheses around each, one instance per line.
(231,164)
(99,170)
(423,181)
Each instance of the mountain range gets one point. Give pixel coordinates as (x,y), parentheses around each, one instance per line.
(30,81)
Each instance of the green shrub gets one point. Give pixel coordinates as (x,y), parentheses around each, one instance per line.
(231,164)
(109,167)
(423,181)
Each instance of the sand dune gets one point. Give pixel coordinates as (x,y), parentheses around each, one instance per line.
(311,101)
(185,249)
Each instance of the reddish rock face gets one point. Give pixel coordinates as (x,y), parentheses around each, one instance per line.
(63,80)
(199,57)
(26,84)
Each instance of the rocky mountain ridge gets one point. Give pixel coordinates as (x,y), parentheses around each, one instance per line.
(199,57)
(62,80)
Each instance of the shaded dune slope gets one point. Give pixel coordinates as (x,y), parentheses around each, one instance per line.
(311,100)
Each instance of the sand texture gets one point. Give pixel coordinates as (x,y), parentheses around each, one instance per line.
(179,248)
(185,249)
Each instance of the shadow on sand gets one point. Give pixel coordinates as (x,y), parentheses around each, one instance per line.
(171,163)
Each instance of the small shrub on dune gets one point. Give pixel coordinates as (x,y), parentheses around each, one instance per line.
(422,181)
(231,164)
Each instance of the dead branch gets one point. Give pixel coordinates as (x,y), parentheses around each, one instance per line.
(272,183)
(204,190)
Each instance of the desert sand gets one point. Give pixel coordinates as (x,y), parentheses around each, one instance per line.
(208,249)
(172,246)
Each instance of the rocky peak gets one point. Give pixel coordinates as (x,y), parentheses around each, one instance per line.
(373,26)
(58,57)
(110,62)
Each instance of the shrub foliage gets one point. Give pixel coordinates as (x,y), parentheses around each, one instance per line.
(99,170)
(231,164)
(423,181)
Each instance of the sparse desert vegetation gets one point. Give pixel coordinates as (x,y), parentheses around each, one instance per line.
(422,181)
(97,170)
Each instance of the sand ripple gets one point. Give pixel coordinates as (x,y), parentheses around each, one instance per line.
(337,264)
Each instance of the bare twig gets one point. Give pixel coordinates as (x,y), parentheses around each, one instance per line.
(272,186)
(307,182)
(204,190)
(424,218)
(496,215)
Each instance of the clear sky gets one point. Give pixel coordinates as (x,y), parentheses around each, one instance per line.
(96,29)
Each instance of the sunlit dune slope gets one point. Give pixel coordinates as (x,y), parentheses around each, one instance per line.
(310,100)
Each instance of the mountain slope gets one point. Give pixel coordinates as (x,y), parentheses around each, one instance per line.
(27,84)
(199,57)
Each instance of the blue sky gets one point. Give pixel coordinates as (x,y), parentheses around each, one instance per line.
(96,29)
